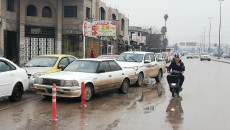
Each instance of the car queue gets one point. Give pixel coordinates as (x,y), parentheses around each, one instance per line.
(68,72)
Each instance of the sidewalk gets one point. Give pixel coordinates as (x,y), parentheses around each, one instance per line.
(221,60)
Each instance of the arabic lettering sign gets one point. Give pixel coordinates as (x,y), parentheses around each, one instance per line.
(87,29)
(100,28)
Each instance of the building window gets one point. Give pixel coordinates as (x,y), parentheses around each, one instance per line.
(31,10)
(87,13)
(114,17)
(10,5)
(46,12)
(122,24)
(70,11)
(102,13)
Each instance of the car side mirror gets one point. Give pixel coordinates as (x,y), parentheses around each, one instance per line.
(101,71)
(62,67)
(147,61)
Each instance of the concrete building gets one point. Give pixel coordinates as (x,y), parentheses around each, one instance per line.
(29,28)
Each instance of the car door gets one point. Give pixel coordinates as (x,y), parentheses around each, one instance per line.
(117,74)
(154,66)
(7,77)
(104,78)
(147,65)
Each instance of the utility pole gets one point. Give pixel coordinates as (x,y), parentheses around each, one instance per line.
(220,28)
(210,18)
(204,38)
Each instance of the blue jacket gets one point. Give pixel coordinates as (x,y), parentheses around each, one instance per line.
(173,66)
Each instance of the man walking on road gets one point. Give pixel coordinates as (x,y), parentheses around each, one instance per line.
(92,54)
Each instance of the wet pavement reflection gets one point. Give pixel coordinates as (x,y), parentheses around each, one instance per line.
(175,112)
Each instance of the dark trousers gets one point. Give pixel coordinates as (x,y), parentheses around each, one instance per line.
(181,80)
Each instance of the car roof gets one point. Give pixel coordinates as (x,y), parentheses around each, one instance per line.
(138,52)
(57,55)
(95,59)
(109,55)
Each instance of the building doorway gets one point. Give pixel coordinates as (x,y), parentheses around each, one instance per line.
(11,46)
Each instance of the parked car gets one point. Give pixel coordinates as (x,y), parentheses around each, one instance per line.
(13,80)
(159,57)
(107,56)
(46,64)
(189,56)
(205,56)
(196,56)
(226,55)
(145,64)
(97,74)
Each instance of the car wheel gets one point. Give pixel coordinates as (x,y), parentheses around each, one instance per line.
(17,93)
(124,87)
(159,76)
(47,97)
(140,79)
(88,92)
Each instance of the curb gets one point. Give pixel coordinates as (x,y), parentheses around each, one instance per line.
(221,61)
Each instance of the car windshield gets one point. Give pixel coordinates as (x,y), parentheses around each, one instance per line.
(42,62)
(130,57)
(205,54)
(159,55)
(106,57)
(82,66)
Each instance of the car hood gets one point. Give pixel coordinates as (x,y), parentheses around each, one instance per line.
(128,64)
(65,75)
(33,70)
(206,55)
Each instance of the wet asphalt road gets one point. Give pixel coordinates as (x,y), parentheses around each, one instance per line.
(203,105)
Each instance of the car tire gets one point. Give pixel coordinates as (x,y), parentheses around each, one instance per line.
(88,92)
(17,93)
(47,97)
(159,76)
(124,87)
(140,79)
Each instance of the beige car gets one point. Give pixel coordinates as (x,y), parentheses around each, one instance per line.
(97,74)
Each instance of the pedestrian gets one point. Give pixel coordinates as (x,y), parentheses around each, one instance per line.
(92,54)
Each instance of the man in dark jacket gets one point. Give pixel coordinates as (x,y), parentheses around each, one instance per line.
(177,65)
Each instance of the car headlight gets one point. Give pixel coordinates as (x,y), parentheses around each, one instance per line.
(69,83)
(173,84)
(38,81)
(36,75)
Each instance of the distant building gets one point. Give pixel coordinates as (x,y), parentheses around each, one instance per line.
(29,28)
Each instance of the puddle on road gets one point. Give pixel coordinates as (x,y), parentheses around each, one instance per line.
(175,113)
(113,125)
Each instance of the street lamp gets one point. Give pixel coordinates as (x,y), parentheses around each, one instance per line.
(210,18)
(220,28)
(204,37)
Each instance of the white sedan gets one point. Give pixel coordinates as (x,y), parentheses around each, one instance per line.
(97,74)
(13,80)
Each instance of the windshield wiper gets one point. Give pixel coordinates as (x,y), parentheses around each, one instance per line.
(124,58)
(133,59)
(39,66)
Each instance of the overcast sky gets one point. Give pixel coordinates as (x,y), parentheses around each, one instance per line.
(186,17)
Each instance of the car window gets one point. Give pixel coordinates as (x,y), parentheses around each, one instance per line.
(42,61)
(147,57)
(82,66)
(152,58)
(64,61)
(71,59)
(4,67)
(114,66)
(105,66)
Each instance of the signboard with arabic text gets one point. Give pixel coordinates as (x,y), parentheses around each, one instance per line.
(100,28)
